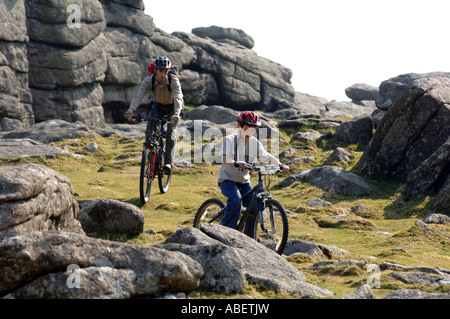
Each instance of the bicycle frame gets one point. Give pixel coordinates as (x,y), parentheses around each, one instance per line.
(155,142)
(260,193)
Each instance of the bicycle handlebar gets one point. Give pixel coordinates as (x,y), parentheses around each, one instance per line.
(138,118)
(262,168)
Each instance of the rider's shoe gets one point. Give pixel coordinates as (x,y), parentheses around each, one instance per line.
(167,168)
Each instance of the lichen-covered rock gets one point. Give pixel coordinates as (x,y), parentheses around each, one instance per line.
(36,198)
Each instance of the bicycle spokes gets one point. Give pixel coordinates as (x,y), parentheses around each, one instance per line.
(272,226)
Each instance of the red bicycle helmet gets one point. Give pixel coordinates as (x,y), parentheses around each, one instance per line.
(249,118)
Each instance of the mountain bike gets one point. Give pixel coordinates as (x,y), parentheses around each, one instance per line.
(270,226)
(152,158)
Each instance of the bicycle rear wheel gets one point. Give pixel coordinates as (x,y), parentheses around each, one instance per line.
(211,211)
(274,229)
(146,176)
(164,178)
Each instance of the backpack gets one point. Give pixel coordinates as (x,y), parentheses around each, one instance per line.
(174,70)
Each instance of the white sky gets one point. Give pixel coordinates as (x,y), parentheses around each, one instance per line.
(329,44)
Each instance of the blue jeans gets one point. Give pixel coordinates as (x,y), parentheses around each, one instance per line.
(234,192)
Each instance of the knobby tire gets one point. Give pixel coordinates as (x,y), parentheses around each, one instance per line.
(208,212)
(145,182)
(276,237)
(164,178)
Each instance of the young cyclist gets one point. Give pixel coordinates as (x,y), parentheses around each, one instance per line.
(241,148)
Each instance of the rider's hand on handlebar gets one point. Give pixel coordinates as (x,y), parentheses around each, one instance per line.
(129,116)
(284,168)
(174,120)
(241,165)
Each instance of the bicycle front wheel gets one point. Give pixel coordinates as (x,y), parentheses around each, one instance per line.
(164,178)
(272,230)
(146,176)
(211,211)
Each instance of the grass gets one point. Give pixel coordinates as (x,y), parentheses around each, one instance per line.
(114,173)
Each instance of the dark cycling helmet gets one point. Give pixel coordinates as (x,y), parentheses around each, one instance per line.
(249,118)
(162,63)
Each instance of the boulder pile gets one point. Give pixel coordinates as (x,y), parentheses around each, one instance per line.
(54,66)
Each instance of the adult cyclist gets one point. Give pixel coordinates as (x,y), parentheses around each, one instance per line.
(241,148)
(168,99)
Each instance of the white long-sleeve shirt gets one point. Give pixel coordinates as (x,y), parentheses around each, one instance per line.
(251,152)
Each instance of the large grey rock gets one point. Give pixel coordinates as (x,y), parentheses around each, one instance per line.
(429,172)
(119,14)
(7,124)
(419,278)
(362,92)
(294,246)
(415,294)
(15,95)
(362,292)
(13,17)
(111,216)
(16,148)
(213,113)
(416,125)
(51,131)
(72,104)
(243,78)
(47,22)
(442,199)
(337,109)
(40,265)
(262,265)
(36,198)
(304,137)
(331,178)
(308,104)
(255,262)
(437,219)
(223,34)
(54,67)
(222,265)
(358,130)
(198,88)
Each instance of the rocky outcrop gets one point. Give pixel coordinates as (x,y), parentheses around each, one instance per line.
(229,258)
(62,265)
(60,62)
(66,62)
(429,171)
(15,95)
(36,198)
(358,130)
(16,148)
(242,77)
(411,139)
(416,125)
(220,34)
(331,178)
(51,131)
